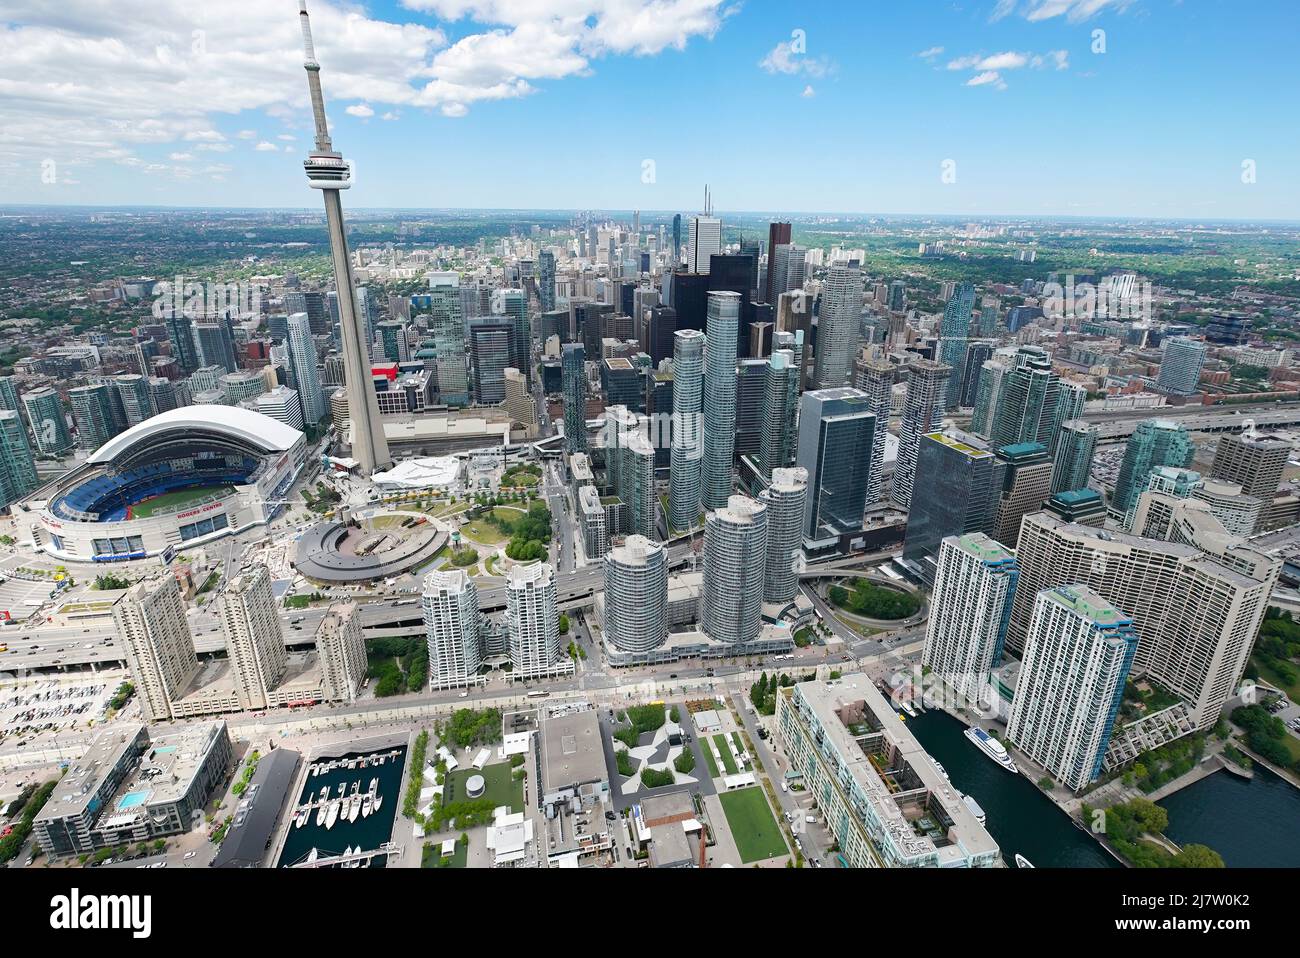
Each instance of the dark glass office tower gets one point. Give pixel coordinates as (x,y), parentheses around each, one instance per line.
(955,491)
(734,273)
(836,428)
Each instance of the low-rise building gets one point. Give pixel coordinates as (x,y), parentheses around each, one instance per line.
(128,788)
(881,794)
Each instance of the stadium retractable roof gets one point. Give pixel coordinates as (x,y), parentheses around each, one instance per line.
(258,431)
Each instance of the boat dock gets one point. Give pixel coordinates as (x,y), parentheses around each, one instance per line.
(355,859)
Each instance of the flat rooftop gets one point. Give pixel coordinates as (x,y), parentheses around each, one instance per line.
(856,696)
(572,753)
(163,774)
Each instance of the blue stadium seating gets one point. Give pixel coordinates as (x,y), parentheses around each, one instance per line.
(108,496)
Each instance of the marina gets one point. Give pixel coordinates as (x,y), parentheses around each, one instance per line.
(345,811)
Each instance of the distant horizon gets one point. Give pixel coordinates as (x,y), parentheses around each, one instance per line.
(719,213)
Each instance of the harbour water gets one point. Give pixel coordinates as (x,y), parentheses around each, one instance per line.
(1020,817)
(366,833)
(1251,823)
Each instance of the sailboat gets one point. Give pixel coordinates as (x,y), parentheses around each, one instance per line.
(313,854)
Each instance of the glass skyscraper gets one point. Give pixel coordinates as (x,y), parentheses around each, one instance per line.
(1155,442)
(719,399)
(49,425)
(956,492)
(574,386)
(688,392)
(17,470)
(836,432)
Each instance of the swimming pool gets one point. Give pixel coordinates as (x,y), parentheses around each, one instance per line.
(132,799)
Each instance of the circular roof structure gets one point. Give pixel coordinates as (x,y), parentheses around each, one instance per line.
(474,786)
(252,429)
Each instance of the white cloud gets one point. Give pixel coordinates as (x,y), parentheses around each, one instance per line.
(931,53)
(286,136)
(784,58)
(987,78)
(988,69)
(1004,8)
(83,81)
(808,92)
(392,115)
(180,157)
(360,109)
(266,146)
(1074,11)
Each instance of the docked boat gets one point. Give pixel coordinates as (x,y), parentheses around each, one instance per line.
(975,809)
(1023,862)
(991,747)
(942,771)
(315,770)
(321,808)
(354,802)
(313,855)
(333,815)
(303,814)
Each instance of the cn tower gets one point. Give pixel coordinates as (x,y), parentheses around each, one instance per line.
(329,172)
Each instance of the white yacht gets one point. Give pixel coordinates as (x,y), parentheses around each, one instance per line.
(1023,862)
(333,815)
(322,806)
(354,802)
(991,747)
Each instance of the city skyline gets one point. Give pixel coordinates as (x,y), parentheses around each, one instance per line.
(453,89)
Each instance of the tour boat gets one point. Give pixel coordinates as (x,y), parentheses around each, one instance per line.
(991,747)
(975,809)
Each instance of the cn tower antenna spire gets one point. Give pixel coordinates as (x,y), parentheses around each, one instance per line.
(313,80)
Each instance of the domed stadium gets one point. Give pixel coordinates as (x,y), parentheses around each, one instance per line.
(184,477)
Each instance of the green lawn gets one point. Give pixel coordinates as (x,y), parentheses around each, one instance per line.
(431,856)
(1266,673)
(483,533)
(728,759)
(740,745)
(752,826)
(173,501)
(709,760)
(501,788)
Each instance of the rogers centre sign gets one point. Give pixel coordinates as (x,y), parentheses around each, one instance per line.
(201,510)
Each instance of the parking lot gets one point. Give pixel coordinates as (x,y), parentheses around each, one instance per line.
(34,707)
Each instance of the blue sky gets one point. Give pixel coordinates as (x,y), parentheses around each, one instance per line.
(852,119)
